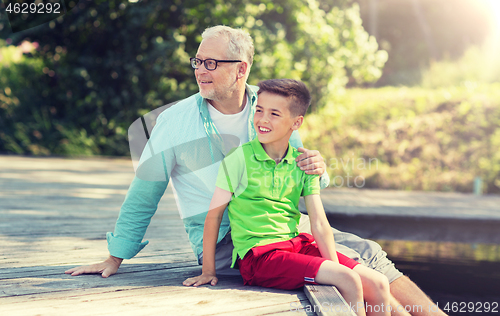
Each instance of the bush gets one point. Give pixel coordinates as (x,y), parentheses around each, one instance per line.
(410,138)
(476,66)
(105,63)
(22,123)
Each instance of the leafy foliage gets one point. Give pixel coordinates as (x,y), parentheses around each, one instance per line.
(476,66)
(105,63)
(326,50)
(411,138)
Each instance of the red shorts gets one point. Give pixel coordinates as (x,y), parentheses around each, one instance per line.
(287,264)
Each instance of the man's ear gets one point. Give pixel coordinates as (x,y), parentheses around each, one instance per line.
(298,122)
(242,70)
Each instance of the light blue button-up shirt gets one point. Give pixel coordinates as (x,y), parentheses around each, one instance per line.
(186,148)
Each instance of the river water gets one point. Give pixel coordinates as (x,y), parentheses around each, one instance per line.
(462,278)
(455,261)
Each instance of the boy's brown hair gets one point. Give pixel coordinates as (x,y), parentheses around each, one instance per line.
(295,90)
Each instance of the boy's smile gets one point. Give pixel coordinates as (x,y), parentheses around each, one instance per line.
(274,123)
(264,130)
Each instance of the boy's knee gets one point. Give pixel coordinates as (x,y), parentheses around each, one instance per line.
(355,279)
(379,285)
(382,283)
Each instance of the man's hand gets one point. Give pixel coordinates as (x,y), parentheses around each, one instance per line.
(204,278)
(105,268)
(310,161)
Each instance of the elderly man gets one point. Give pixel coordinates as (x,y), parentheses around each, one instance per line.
(187,144)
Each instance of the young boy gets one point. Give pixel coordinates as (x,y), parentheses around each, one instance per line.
(261,181)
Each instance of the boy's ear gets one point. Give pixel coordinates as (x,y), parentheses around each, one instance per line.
(242,70)
(298,122)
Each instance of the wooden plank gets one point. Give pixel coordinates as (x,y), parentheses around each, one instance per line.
(326,300)
(80,246)
(164,233)
(162,300)
(419,204)
(95,292)
(144,277)
(229,296)
(87,292)
(54,213)
(53,217)
(132,282)
(177,260)
(82,256)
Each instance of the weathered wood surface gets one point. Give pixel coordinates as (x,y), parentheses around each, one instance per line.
(54,214)
(327,301)
(412,204)
(421,216)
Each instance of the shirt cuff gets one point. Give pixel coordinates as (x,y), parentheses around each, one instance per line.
(122,248)
(324,180)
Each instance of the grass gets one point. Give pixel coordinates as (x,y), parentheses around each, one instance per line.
(410,138)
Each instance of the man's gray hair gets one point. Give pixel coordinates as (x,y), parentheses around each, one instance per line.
(240,43)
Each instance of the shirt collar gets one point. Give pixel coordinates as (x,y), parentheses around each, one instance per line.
(252,93)
(209,125)
(261,155)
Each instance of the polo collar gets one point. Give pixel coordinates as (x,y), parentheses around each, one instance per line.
(261,155)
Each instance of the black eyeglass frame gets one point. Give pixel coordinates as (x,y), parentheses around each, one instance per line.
(217,61)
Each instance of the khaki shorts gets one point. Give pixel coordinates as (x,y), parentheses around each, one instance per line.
(366,252)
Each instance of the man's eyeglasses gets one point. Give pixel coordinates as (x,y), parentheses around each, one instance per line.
(210,64)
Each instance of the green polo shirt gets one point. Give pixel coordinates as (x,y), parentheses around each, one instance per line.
(265,206)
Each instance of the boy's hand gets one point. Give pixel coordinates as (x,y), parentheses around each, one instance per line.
(105,268)
(310,161)
(204,278)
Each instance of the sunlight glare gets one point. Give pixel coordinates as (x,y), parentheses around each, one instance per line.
(494,6)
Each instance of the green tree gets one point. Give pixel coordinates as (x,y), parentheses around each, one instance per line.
(326,50)
(105,63)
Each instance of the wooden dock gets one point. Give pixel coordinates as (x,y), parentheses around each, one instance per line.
(54,213)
